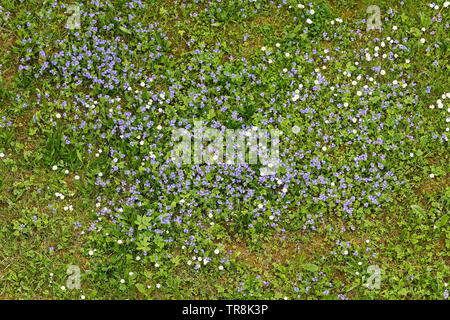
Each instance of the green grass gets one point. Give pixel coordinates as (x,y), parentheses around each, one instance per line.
(311,249)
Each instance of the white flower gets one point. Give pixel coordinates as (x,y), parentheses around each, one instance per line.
(122,280)
(277,45)
(312,11)
(271,217)
(159,127)
(158,285)
(91,253)
(287,54)
(221,267)
(119,241)
(263,48)
(54,168)
(394,28)
(77,177)
(382,72)
(324,148)
(142,84)
(2,154)
(359,263)
(284,190)
(138,258)
(216,251)
(446,3)
(58,116)
(63,288)
(130,273)
(83,297)
(156,265)
(309,21)
(431,175)
(422,40)
(345,252)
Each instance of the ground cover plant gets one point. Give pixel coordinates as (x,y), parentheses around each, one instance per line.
(94,205)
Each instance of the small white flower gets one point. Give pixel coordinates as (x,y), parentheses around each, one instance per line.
(422,40)
(156,265)
(2,154)
(394,28)
(277,45)
(220,267)
(138,258)
(309,21)
(158,285)
(83,297)
(54,168)
(58,116)
(119,241)
(130,273)
(263,48)
(382,72)
(287,54)
(63,288)
(431,175)
(91,253)
(122,280)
